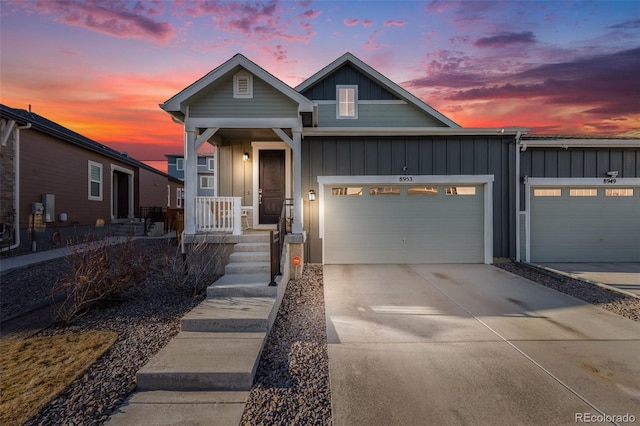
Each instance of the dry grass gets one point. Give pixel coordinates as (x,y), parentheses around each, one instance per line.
(35,370)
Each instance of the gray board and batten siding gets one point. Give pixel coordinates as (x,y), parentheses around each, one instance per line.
(217,101)
(377,106)
(577,163)
(441,155)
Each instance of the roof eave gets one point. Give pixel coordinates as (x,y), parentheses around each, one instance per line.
(414,131)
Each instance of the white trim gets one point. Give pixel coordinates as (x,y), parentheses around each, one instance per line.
(579,143)
(365,102)
(411,131)
(243,123)
(130,214)
(530,183)
(256,148)
(208,178)
(485,180)
(355,102)
(603,181)
(101,182)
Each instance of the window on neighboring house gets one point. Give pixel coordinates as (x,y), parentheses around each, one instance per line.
(207,182)
(179,163)
(347,102)
(243,85)
(180,197)
(211,164)
(95,181)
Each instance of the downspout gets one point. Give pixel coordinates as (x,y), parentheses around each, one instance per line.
(518,136)
(16,197)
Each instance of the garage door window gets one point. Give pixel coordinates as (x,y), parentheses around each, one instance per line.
(618,192)
(557,192)
(583,192)
(349,190)
(461,190)
(422,190)
(385,190)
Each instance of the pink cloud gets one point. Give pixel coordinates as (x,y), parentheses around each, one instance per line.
(371,44)
(351,22)
(367,22)
(506,38)
(115,18)
(310,14)
(392,23)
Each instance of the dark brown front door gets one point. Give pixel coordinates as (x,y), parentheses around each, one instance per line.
(122,195)
(271,185)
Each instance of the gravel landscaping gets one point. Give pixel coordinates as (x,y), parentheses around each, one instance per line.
(292,382)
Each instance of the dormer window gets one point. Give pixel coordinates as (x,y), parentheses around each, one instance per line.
(347,106)
(243,85)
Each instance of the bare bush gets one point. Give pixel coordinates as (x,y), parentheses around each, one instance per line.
(197,268)
(99,271)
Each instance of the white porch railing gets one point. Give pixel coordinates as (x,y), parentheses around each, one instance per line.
(218,214)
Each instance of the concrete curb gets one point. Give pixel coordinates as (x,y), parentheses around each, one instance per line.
(551,271)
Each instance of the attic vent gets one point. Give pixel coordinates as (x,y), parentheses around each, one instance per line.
(243,85)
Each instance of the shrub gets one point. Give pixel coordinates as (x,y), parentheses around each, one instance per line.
(99,270)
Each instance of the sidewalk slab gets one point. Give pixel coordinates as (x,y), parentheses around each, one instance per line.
(241,285)
(204,361)
(230,314)
(183,408)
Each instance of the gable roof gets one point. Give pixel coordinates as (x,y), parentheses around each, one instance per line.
(175,103)
(51,128)
(377,76)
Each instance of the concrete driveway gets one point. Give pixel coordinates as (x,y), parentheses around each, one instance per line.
(623,275)
(472,345)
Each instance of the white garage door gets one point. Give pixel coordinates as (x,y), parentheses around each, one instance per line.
(585,224)
(403,224)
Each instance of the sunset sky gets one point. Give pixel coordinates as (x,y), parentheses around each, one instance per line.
(101,68)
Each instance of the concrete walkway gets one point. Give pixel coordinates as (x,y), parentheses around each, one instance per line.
(472,344)
(623,277)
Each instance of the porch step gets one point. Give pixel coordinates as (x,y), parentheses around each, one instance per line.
(242,285)
(248,268)
(231,314)
(252,247)
(258,237)
(249,256)
(204,361)
(129,229)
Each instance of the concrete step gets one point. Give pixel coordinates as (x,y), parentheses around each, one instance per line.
(181,408)
(204,361)
(135,229)
(249,256)
(242,285)
(253,247)
(231,314)
(248,268)
(259,237)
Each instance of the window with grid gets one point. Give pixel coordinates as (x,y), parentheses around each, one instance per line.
(347,102)
(95,181)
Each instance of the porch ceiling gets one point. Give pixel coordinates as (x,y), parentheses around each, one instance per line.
(253,134)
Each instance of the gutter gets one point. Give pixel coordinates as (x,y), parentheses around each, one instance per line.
(412,131)
(517,209)
(16,189)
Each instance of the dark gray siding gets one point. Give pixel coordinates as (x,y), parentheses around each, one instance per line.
(332,156)
(577,163)
(368,89)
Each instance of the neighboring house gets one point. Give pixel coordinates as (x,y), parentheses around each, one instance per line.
(207,165)
(378,176)
(58,185)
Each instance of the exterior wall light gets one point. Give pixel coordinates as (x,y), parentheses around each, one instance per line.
(612,173)
(312,195)
(245,156)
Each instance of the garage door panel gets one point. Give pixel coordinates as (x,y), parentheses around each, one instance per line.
(404,228)
(585,229)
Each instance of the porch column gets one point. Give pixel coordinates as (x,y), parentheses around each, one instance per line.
(190,181)
(296,227)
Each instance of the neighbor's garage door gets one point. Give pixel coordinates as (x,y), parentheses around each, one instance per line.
(403,224)
(585,224)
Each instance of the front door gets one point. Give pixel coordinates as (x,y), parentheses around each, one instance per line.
(120,195)
(271,185)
